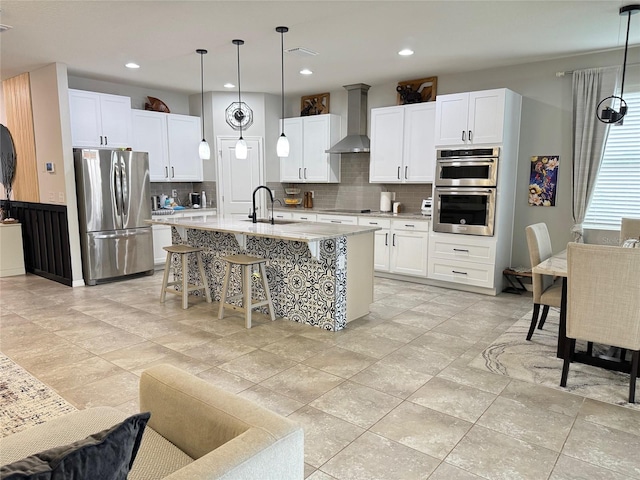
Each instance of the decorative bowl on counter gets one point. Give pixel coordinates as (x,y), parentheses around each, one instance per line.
(292,201)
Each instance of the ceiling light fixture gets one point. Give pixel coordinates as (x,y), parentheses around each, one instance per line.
(609,114)
(282,147)
(306,71)
(132,65)
(405,52)
(229,85)
(203,150)
(241,145)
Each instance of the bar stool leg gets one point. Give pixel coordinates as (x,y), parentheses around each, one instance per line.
(267,291)
(205,283)
(185,281)
(246,278)
(225,288)
(165,279)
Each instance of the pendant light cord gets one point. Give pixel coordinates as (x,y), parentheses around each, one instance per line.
(282,73)
(239,89)
(202,89)
(626,46)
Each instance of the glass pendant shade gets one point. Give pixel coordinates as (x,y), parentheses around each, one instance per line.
(241,149)
(282,147)
(204,151)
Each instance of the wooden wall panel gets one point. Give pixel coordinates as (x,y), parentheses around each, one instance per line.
(17,100)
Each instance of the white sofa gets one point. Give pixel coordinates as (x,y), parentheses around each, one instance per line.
(196,431)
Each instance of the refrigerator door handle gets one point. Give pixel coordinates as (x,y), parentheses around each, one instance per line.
(117,183)
(124,189)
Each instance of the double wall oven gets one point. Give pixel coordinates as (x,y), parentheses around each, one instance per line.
(464,199)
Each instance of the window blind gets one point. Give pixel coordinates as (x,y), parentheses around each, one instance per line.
(617,188)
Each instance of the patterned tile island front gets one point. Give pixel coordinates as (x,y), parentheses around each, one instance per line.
(320,274)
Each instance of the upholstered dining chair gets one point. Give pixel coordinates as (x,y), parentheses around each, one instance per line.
(546,292)
(603,302)
(630,228)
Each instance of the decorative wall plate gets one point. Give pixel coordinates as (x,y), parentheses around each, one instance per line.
(239,114)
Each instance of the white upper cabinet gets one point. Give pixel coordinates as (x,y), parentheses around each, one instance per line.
(471,118)
(99,119)
(309,137)
(402,144)
(172,143)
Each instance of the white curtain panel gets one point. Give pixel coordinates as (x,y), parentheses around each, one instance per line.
(589,136)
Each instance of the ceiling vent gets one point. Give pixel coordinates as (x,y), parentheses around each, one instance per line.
(301,52)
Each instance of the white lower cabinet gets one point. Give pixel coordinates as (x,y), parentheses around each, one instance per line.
(401,246)
(161,238)
(464,259)
(282,215)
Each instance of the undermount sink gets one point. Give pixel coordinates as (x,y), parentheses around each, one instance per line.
(276,222)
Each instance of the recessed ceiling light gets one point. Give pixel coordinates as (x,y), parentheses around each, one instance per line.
(132,65)
(229,85)
(405,52)
(306,71)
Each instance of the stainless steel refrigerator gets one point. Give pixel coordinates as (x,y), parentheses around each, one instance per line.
(113,203)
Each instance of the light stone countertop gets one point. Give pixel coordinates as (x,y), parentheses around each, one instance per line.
(287,230)
(413,215)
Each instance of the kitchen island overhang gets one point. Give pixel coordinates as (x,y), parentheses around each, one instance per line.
(319,274)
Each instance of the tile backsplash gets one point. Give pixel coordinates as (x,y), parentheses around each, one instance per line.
(184,189)
(354,191)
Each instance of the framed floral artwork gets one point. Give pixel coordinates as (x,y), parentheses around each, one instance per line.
(543,180)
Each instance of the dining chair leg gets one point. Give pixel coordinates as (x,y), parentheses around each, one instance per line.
(569,348)
(165,278)
(545,312)
(185,281)
(534,320)
(635,359)
(225,290)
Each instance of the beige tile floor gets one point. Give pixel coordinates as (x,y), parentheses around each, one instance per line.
(390,397)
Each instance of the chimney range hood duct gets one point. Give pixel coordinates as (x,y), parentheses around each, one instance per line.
(356,140)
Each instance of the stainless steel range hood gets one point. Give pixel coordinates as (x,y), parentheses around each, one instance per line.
(356,140)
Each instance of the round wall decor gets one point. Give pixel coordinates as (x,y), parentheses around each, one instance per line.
(239,114)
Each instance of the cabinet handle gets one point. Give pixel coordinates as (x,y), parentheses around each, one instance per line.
(173,172)
(463,135)
(393,240)
(405,172)
(386,239)
(409,225)
(398,172)
(304,218)
(300,173)
(373,223)
(460,250)
(100,139)
(166,172)
(336,221)
(106,141)
(305,173)
(470,135)
(461,273)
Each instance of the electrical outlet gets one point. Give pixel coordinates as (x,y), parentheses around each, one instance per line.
(61,197)
(313,194)
(52,196)
(174,193)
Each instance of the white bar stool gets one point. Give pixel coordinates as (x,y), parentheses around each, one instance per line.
(184,251)
(246,263)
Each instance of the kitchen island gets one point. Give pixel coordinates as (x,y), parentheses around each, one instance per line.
(319,274)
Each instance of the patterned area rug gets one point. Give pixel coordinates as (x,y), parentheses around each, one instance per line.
(535,362)
(24,400)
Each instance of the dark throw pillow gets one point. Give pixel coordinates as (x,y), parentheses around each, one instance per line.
(106,455)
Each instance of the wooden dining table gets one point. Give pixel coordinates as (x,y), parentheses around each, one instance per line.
(556,265)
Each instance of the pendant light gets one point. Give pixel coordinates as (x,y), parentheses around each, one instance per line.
(282,147)
(203,149)
(241,145)
(609,114)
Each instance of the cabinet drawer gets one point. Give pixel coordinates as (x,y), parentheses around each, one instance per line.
(464,250)
(374,222)
(282,215)
(467,273)
(410,225)
(341,219)
(304,217)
